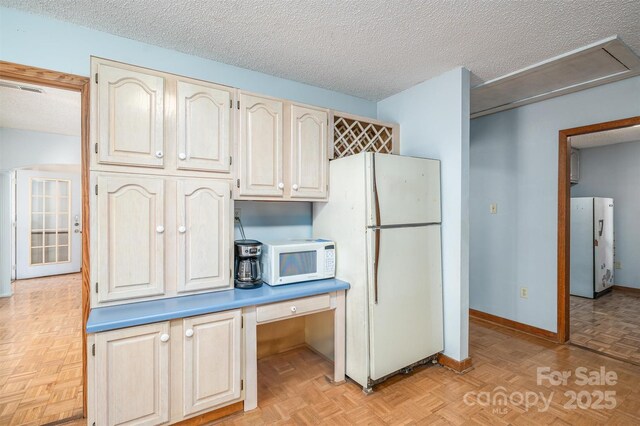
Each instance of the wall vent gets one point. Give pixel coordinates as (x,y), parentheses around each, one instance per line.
(599,63)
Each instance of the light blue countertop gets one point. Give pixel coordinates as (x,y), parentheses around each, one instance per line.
(139,313)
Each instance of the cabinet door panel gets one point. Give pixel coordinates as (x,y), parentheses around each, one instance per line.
(260,147)
(130,235)
(204,237)
(203,127)
(130,117)
(132,376)
(309,159)
(211,360)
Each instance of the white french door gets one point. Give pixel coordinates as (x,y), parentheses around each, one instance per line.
(48,223)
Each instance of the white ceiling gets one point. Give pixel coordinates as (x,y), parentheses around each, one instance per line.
(367,48)
(53,111)
(608,137)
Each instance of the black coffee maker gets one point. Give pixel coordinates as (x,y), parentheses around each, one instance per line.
(247,264)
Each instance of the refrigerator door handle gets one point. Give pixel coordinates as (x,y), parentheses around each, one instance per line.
(376,200)
(601,226)
(376,258)
(376,230)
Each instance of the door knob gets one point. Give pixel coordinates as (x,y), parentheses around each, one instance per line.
(164,337)
(182,229)
(182,156)
(160,229)
(159,154)
(189,332)
(295,187)
(281,185)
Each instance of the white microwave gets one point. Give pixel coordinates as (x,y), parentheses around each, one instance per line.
(286,262)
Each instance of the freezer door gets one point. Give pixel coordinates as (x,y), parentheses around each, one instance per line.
(603,241)
(582,247)
(405,297)
(407,188)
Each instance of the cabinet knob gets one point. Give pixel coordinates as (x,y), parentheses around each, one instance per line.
(295,186)
(293,309)
(182,156)
(159,154)
(160,229)
(281,185)
(164,337)
(182,229)
(189,332)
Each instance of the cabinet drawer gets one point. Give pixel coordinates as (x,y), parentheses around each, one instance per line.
(292,308)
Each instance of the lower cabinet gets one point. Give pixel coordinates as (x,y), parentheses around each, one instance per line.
(165,372)
(132,376)
(211,360)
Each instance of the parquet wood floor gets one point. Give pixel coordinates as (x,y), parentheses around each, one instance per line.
(41,351)
(293,390)
(608,324)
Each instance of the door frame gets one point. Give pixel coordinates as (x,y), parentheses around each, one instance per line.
(59,80)
(564,218)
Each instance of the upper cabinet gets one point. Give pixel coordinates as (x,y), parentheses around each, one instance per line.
(204,127)
(130,238)
(260,157)
(204,235)
(282,151)
(130,122)
(156,237)
(309,160)
(145,121)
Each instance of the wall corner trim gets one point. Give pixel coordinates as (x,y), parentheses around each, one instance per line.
(453,364)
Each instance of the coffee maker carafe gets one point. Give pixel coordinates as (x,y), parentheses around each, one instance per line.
(247,264)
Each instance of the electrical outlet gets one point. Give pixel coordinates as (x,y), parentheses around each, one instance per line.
(617,265)
(524,292)
(493,208)
(236,214)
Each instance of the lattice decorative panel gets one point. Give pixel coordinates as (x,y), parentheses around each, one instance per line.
(352,136)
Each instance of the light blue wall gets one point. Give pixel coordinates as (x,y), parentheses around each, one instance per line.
(514,163)
(47,43)
(434,123)
(21,148)
(614,171)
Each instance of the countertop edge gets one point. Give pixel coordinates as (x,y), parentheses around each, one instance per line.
(288,293)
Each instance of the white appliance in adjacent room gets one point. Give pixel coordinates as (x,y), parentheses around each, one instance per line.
(384,216)
(591,245)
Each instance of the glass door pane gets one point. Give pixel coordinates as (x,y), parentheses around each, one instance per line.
(50,224)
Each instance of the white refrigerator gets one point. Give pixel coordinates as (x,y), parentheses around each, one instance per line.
(591,246)
(384,215)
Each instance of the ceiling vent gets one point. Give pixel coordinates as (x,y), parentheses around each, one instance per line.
(32,89)
(599,63)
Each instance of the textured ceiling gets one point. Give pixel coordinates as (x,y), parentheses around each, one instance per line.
(367,48)
(608,137)
(53,111)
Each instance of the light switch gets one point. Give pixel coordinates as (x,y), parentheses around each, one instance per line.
(524,292)
(493,208)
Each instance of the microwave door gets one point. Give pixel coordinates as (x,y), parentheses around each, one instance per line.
(297,266)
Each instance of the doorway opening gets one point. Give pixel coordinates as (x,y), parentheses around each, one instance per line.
(44,240)
(598,282)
